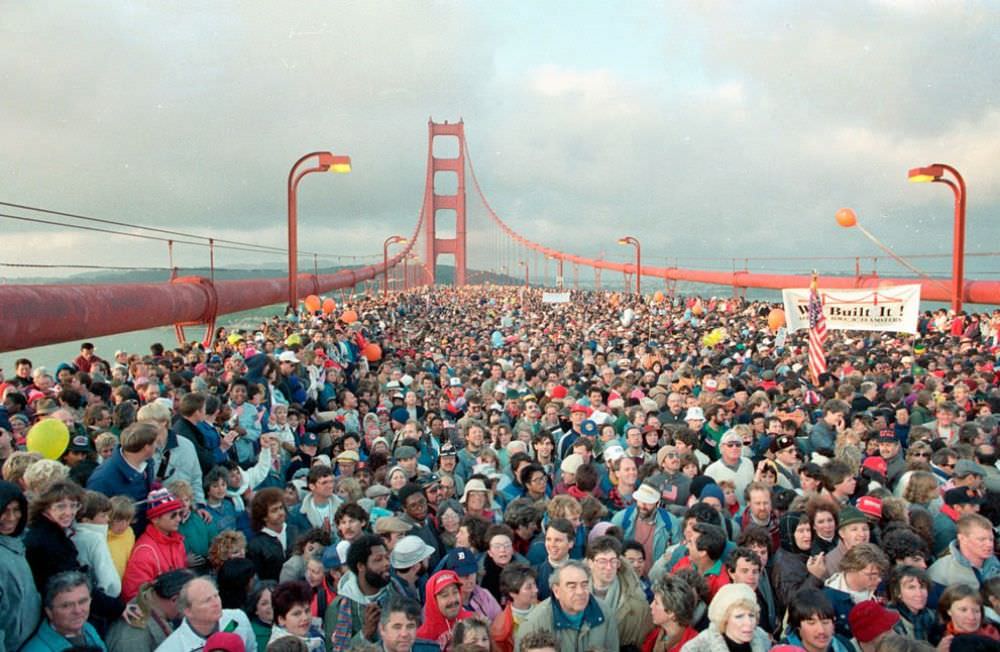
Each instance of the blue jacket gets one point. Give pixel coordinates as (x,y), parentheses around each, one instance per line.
(47,640)
(664,530)
(116,477)
(842,605)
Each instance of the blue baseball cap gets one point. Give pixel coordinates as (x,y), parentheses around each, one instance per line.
(309,439)
(462,561)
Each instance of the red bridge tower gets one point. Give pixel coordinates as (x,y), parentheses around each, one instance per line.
(434,202)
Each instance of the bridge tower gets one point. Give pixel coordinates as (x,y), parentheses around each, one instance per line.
(433,203)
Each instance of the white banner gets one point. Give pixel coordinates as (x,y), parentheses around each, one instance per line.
(893,309)
(555,297)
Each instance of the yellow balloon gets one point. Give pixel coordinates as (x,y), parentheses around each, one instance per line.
(49,437)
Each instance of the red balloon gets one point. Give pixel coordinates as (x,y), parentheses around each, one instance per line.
(846,218)
(349,317)
(329,305)
(372,352)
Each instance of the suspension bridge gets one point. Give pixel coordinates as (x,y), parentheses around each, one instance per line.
(484,248)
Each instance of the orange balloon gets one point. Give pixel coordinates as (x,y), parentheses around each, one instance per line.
(349,317)
(846,218)
(658,297)
(329,305)
(312,303)
(372,352)
(776,319)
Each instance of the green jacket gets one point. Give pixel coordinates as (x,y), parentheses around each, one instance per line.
(598,631)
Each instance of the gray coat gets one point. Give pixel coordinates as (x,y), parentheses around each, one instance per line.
(20,604)
(711,640)
(598,631)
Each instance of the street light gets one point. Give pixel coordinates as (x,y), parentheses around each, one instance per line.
(392,239)
(629,240)
(935,174)
(527,279)
(326,162)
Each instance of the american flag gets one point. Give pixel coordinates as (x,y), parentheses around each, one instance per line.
(817,332)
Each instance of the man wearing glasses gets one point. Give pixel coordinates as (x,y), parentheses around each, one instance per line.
(731,465)
(161,546)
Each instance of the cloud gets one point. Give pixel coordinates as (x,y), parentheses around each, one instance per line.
(715,132)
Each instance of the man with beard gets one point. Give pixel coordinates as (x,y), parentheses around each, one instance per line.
(646,522)
(443,608)
(353,617)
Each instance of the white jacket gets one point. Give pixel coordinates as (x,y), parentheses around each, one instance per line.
(91,540)
(183,639)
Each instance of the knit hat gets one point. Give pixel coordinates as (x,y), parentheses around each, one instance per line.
(713,491)
(850,515)
(869,619)
(787,525)
(725,598)
(160,502)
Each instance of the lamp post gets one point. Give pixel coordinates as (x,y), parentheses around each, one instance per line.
(935,174)
(392,239)
(527,278)
(326,162)
(629,240)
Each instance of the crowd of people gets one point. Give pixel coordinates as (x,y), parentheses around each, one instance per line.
(477,469)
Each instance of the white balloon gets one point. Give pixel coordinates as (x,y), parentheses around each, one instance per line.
(627,316)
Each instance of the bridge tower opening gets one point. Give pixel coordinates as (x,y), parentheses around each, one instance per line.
(448,205)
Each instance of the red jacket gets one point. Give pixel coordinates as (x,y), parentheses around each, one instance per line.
(649,644)
(502,631)
(154,553)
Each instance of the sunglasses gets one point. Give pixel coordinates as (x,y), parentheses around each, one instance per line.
(733,444)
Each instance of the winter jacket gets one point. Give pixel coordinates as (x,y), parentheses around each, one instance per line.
(47,640)
(191,432)
(436,627)
(49,551)
(116,477)
(154,553)
(954,568)
(197,534)
(344,617)
(789,575)
(649,645)
(182,463)
(147,634)
(631,610)
(20,604)
(597,630)
(664,528)
(712,640)
(91,541)
(267,554)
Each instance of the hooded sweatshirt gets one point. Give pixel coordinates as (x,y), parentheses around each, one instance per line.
(436,627)
(20,604)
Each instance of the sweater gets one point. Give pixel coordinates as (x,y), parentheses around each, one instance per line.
(120,546)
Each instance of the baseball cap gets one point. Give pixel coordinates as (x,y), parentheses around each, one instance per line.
(288,356)
(309,439)
(588,428)
(571,463)
(962,496)
(968,467)
(875,463)
(646,494)
(870,506)
(462,561)
(79,444)
(781,442)
(447,450)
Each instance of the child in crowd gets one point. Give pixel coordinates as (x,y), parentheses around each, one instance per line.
(91,539)
(121,537)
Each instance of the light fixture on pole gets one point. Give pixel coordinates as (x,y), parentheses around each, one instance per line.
(629,240)
(936,174)
(392,239)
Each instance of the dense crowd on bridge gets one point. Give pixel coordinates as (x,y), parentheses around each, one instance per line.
(474,469)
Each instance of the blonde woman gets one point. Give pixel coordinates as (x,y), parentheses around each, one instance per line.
(733,615)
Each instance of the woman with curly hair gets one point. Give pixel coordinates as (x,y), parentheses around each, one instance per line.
(228,544)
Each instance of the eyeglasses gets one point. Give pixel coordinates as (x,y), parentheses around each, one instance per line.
(733,444)
(672,456)
(607,561)
(501,545)
(919,454)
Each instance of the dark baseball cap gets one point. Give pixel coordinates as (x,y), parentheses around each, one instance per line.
(462,561)
(781,442)
(962,496)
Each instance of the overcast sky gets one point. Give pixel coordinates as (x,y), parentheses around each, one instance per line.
(704,128)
